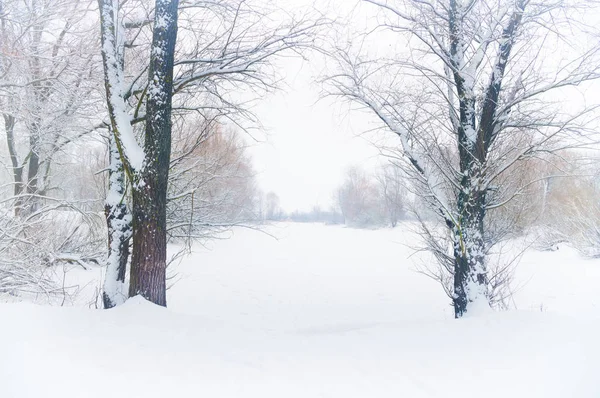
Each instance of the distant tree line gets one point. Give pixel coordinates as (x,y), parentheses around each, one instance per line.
(362,200)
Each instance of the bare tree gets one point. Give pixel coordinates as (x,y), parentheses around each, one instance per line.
(472,93)
(48,99)
(47,89)
(223,48)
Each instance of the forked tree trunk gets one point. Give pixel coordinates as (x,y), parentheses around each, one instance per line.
(148,264)
(475,135)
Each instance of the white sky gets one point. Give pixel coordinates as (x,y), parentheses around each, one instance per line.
(309,141)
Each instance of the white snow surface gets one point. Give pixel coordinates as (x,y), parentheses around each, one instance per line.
(324,311)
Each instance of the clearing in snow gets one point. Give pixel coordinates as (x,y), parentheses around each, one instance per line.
(324,311)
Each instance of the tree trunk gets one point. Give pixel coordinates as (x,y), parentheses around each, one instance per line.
(470,275)
(17,168)
(118,220)
(33,169)
(148,265)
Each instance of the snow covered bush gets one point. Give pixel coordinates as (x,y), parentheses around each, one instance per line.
(34,249)
(572,212)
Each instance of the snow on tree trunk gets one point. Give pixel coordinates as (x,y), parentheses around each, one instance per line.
(470,281)
(118,220)
(126,157)
(148,265)
(470,274)
(475,135)
(113,61)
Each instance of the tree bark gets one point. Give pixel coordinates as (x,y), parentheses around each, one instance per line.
(17,168)
(118,221)
(148,265)
(40,96)
(33,169)
(470,272)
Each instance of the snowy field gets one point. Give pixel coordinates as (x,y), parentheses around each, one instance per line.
(324,311)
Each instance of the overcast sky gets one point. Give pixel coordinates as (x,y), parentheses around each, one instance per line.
(309,141)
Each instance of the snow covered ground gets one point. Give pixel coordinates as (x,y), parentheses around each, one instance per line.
(324,311)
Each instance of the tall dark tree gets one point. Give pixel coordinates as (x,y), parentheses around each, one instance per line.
(149,260)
